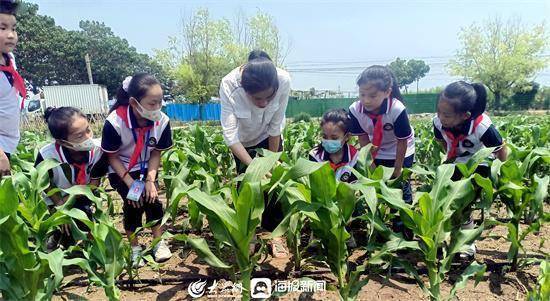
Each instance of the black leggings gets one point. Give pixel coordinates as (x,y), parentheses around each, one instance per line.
(273,212)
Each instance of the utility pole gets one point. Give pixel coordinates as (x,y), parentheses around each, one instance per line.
(89,68)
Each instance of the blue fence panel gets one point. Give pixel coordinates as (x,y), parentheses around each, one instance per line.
(192,112)
(211,111)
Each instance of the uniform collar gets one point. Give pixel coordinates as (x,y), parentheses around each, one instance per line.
(464,129)
(65,155)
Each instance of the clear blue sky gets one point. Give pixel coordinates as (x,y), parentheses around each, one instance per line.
(322,33)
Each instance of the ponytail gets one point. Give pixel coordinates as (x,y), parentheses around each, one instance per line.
(122,99)
(134,86)
(395,92)
(481,100)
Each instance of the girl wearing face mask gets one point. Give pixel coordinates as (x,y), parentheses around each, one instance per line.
(334,147)
(82,161)
(134,134)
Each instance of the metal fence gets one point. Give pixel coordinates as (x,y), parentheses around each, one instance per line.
(415,103)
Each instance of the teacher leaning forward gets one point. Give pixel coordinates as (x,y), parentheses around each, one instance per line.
(254,98)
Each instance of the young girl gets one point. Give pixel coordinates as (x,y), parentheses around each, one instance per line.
(11,86)
(461,125)
(462,128)
(135,133)
(81,158)
(380,117)
(334,146)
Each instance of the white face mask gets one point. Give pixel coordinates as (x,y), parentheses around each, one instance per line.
(84,146)
(151,115)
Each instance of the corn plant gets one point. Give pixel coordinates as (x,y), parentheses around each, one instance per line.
(106,257)
(523,192)
(234,225)
(542,289)
(327,204)
(27,272)
(436,220)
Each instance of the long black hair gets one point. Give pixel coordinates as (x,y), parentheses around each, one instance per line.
(9,7)
(259,73)
(59,120)
(137,88)
(382,78)
(465,97)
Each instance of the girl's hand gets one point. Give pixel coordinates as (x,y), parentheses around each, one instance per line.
(397,172)
(137,204)
(4,165)
(151,193)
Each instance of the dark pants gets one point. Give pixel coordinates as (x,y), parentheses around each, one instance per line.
(406,185)
(482,170)
(273,212)
(133,216)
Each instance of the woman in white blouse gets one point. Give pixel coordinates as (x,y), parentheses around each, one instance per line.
(254,98)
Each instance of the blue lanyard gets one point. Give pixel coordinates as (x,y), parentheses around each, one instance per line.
(142,161)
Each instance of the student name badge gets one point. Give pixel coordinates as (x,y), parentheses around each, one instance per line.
(136,190)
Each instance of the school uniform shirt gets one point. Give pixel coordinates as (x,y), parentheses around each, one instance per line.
(118,136)
(342,170)
(65,175)
(476,134)
(396,127)
(10,104)
(244,122)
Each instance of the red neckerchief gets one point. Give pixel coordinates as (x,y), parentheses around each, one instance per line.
(378,127)
(81,175)
(122,112)
(18,81)
(455,140)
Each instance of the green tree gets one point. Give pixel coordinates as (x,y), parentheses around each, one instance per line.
(418,69)
(402,72)
(113,58)
(504,56)
(207,49)
(47,53)
(523,99)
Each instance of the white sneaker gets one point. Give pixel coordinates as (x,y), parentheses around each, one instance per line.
(161,252)
(470,253)
(137,261)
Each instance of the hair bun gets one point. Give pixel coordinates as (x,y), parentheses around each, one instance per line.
(48,112)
